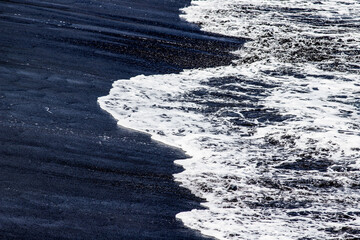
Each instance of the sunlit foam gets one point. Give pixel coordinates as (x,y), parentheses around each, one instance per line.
(274,139)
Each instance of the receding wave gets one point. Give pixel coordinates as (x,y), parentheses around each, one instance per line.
(274,138)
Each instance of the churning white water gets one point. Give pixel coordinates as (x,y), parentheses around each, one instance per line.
(274,138)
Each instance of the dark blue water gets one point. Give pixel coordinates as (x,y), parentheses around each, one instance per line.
(66,170)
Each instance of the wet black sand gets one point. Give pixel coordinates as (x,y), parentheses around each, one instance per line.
(66,170)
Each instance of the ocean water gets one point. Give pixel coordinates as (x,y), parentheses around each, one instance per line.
(274,138)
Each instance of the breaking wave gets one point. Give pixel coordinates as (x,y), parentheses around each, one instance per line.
(274,138)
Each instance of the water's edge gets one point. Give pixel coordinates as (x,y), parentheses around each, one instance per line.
(273,137)
(66,170)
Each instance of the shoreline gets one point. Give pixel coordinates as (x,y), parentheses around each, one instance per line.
(67,170)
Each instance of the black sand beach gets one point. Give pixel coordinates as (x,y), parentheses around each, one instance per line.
(66,170)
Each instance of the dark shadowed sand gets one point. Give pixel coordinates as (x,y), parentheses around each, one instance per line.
(66,170)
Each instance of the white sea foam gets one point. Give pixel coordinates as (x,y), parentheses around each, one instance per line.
(274,139)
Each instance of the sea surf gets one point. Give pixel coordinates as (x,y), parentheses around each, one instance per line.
(274,138)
